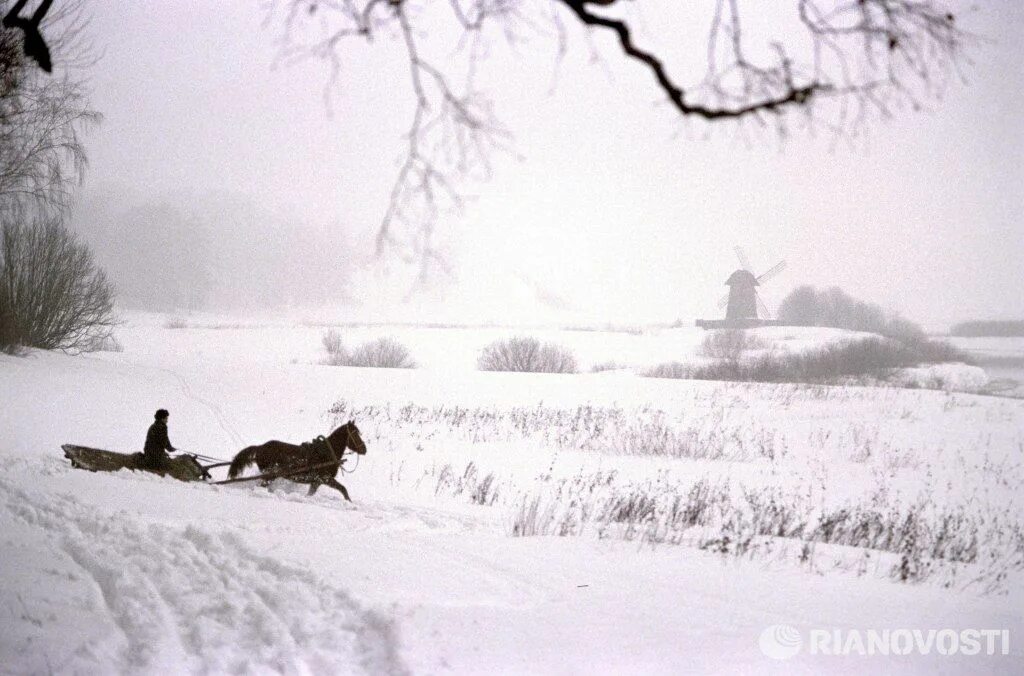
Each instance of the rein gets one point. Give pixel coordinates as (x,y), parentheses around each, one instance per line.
(340,458)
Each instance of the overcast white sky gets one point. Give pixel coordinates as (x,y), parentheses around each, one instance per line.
(611,204)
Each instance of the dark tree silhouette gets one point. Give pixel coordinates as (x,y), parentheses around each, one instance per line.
(34,46)
(53,296)
(42,156)
(847,62)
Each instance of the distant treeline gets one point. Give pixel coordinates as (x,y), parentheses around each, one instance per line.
(988,328)
(212,251)
(807,306)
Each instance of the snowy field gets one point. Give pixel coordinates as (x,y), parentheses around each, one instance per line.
(502,523)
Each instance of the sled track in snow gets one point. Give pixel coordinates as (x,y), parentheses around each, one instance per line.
(187,599)
(218,413)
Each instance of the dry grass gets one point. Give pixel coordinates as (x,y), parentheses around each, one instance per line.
(955,543)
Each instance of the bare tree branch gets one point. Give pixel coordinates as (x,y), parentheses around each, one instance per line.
(864,58)
(42,117)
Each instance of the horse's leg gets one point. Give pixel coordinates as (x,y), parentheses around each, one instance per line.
(333,483)
(313,486)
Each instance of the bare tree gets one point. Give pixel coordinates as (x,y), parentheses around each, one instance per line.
(845,63)
(52,294)
(526,354)
(728,344)
(42,116)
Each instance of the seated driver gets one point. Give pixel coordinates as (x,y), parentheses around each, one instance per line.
(157,443)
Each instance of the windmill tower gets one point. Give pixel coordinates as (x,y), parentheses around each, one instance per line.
(743,305)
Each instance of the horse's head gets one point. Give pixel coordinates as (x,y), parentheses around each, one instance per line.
(348,435)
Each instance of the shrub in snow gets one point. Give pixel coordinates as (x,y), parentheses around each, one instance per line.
(948,377)
(385,353)
(672,369)
(53,296)
(526,354)
(103,344)
(728,344)
(607,366)
(335,348)
(380,353)
(176,323)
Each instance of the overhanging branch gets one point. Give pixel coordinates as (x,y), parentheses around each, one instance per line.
(791,95)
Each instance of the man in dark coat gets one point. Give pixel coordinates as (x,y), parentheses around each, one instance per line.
(157,443)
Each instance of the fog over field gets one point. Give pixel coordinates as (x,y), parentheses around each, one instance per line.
(216,153)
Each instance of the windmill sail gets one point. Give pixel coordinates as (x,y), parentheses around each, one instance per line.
(744,261)
(772,271)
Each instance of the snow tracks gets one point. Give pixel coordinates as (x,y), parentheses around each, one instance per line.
(172,599)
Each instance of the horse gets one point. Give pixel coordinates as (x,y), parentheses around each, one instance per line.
(321,458)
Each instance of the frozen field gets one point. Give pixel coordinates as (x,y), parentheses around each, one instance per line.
(502,523)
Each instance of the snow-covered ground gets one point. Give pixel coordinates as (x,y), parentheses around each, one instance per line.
(512,523)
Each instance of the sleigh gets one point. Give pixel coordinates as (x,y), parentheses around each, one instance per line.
(182,467)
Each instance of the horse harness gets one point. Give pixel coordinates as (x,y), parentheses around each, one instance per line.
(323,442)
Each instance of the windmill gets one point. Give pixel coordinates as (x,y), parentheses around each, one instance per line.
(743,305)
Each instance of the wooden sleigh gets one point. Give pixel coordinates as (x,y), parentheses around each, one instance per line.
(181,467)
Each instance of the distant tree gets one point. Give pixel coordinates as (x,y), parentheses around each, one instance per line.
(988,328)
(807,306)
(52,294)
(868,57)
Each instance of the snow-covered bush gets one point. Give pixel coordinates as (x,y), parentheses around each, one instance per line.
(607,366)
(526,354)
(879,358)
(337,355)
(728,344)
(53,296)
(948,377)
(380,353)
(386,353)
(672,369)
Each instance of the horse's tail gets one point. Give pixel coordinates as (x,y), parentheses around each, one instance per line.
(245,457)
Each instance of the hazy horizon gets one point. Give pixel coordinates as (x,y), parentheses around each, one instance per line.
(609,207)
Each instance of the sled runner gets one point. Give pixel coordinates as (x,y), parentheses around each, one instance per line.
(182,467)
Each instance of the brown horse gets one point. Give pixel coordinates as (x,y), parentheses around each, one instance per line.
(321,458)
